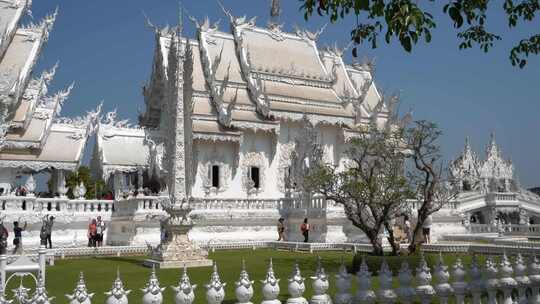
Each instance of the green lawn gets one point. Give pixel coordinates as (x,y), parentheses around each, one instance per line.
(100,272)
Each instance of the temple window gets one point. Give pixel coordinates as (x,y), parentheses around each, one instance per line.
(254,175)
(466,186)
(215,176)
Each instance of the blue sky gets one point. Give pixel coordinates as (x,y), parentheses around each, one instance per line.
(105,47)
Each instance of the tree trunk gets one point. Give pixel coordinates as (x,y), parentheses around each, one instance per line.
(376,243)
(416,235)
(392,239)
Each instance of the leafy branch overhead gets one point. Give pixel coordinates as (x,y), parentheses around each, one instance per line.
(409,21)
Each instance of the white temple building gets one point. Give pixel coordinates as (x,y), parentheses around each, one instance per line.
(224,113)
(491,197)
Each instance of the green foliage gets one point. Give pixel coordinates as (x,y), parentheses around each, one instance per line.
(95,188)
(407,21)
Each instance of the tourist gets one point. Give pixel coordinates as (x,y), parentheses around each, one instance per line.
(305,230)
(3,238)
(281,229)
(43,232)
(48,239)
(426,229)
(92,231)
(17,240)
(407,228)
(100,230)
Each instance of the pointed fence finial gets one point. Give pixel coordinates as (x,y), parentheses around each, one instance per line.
(343,285)
(215,292)
(364,293)
(522,279)
(80,293)
(117,294)
(386,294)
(153,293)
(506,282)
(423,280)
(534,276)
(443,288)
(244,286)
(270,288)
(320,285)
(296,286)
(405,290)
(184,292)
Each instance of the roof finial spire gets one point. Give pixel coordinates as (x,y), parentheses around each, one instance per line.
(180,26)
(275,11)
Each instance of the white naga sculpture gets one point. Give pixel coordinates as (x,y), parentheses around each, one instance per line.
(117,294)
(215,292)
(153,294)
(184,291)
(270,288)
(244,287)
(296,287)
(80,293)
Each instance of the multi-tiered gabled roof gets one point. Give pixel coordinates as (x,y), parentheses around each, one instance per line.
(30,138)
(253,77)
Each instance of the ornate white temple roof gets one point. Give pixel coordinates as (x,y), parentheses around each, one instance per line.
(63,149)
(272,74)
(31,137)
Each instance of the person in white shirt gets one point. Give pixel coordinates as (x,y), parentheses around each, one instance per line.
(407,228)
(100,231)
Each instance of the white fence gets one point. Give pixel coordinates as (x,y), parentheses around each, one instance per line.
(502,281)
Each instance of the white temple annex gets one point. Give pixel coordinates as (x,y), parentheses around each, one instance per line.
(224,112)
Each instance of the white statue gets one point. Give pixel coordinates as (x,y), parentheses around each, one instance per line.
(40,295)
(296,287)
(82,190)
(215,292)
(184,291)
(30,185)
(117,294)
(80,293)
(244,287)
(320,286)
(270,287)
(153,294)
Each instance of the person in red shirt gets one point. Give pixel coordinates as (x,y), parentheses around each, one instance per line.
(305,230)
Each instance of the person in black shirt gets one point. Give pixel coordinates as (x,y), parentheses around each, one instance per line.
(17,240)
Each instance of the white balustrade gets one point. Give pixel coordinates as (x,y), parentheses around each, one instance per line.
(504,282)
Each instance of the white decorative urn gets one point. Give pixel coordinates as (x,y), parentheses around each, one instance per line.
(270,288)
(296,287)
(215,292)
(320,285)
(153,294)
(80,293)
(184,291)
(244,287)
(117,294)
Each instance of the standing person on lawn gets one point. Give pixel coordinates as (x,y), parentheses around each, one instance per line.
(17,240)
(92,231)
(305,230)
(100,231)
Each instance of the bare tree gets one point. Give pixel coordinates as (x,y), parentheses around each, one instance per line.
(427,174)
